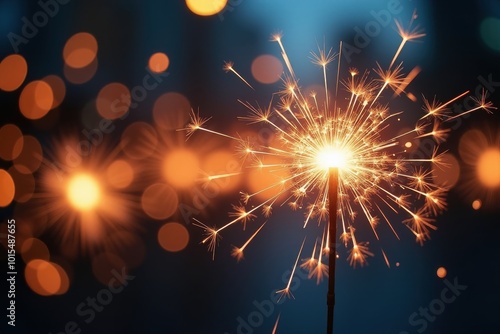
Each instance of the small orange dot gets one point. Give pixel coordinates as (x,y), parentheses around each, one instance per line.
(158,62)
(441,272)
(14,69)
(113,100)
(173,237)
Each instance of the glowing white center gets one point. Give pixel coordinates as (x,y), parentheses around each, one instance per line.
(329,157)
(83,192)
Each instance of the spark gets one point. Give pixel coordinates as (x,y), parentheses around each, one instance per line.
(439,134)
(438,110)
(406,35)
(196,122)
(221,176)
(211,236)
(386,259)
(275,328)
(311,262)
(317,268)
(286,292)
(359,252)
(323,59)
(238,252)
(481,103)
(228,67)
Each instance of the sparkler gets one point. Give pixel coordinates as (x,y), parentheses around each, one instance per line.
(342,161)
(92,212)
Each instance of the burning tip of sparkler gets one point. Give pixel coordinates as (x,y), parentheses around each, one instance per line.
(323,58)
(353,71)
(285,293)
(409,33)
(195,123)
(241,214)
(319,272)
(331,157)
(212,236)
(228,66)
(276,37)
(237,253)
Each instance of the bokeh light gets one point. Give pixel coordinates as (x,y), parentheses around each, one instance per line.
(82,75)
(471,144)
(84,192)
(489,29)
(64,279)
(43,277)
(10,135)
(181,168)
(480,151)
(488,167)
(31,155)
(58,89)
(441,272)
(14,70)
(33,248)
(24,183)
(206,7)
(159,201)
(407,140)
(267,69)
(8,188)
(82,199)
(120,174)
(171,111)
(80,50)
(173,237)
(476,204)
(113,101)
(36,99)
(448,174)
(158,62)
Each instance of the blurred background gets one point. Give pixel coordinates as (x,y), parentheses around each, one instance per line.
(103,187)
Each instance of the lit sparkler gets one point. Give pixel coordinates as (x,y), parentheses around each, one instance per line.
(86,201)
(342,160)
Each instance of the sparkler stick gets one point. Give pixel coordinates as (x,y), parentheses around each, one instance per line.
(332,207)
